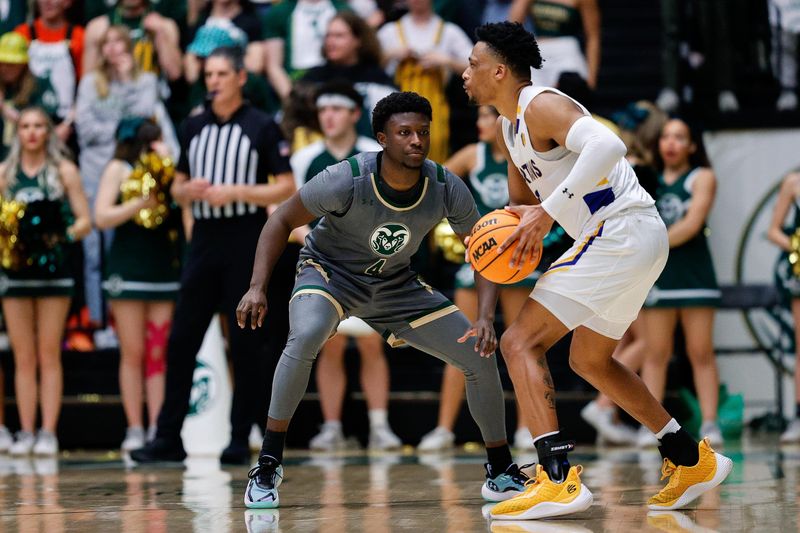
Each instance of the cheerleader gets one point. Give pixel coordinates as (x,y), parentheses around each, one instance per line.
(36,293)
(142,270)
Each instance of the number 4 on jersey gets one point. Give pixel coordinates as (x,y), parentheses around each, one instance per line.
(375,268)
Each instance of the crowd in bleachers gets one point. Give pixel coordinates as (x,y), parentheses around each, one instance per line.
(109,86)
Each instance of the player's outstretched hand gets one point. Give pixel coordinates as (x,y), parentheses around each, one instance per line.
(486,340)
(534,223)
(253,304)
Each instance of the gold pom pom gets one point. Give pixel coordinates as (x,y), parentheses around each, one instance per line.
(448,242)
(152,175)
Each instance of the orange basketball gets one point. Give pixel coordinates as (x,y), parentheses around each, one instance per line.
(487,235)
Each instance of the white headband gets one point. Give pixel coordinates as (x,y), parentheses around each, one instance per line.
(335,100)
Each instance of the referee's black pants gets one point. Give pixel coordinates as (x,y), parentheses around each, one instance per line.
(215,277)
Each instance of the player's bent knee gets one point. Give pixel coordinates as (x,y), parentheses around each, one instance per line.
(586,366)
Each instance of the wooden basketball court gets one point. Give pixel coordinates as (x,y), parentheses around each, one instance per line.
(375,493)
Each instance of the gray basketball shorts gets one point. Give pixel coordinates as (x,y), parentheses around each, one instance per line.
(390,306)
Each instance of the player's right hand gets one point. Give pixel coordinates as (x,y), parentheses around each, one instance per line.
(254,305)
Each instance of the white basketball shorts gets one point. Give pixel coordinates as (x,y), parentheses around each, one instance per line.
(602,281)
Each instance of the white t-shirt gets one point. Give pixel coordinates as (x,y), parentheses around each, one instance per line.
(309,24)
(422,38)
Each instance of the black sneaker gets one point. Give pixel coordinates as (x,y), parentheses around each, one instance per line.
(160,450)
(235,455)
(504,485)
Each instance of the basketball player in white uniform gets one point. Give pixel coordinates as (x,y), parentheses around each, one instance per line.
(564,166)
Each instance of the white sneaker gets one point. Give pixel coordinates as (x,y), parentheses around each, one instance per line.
(255,439)
(608,430)
(6,439)
(23,443)
(787,101)
(646,439)
(134,439)
(712,432)
(792,433)
(383,438)
(329,438)
(151,433)
(438,439)
(523,440)
(727,102)
(46,444)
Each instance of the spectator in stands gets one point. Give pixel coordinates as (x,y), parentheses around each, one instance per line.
(789,200)
(352,52)
(423,52)
(240,20)
(172,9)
(784,19)
(55,52)
(207,39)
(339,107)
(687,290)
(294,32)
(640,127)
(710,19)
(141,276)
(37,296)
(117,88)
(155,38)
(560,25)
(19,87)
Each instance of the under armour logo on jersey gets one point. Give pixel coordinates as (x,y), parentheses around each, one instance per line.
(569,194)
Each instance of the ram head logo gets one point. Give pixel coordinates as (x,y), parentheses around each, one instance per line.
(389,239)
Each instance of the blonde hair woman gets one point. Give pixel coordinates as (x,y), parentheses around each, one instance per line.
(114,90)
(37,298)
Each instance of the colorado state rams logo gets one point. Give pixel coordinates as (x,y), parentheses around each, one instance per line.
(204,389)
(389,239)
(671,208)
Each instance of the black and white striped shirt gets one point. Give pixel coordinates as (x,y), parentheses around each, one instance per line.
(244,150)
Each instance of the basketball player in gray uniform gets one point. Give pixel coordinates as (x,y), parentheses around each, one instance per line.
(376,209)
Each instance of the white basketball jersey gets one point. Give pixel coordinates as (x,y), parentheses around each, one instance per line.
(545,171)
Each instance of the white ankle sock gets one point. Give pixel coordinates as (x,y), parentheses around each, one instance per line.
(671,427)
(333,424)
(378,418)
(537,438)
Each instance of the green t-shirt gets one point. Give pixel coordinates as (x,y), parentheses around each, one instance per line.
(174,9)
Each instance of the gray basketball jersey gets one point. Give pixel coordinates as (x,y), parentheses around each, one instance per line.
(365,233)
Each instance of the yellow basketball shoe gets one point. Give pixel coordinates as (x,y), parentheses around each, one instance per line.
(543,498)
(687,483)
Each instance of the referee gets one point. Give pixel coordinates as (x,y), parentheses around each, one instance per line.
(227,153)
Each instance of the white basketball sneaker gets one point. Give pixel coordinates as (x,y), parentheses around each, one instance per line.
(437,440)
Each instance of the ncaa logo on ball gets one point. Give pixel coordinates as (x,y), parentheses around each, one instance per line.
(483,248)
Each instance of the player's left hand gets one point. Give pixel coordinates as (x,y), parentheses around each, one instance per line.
(485,338)
(534,223)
